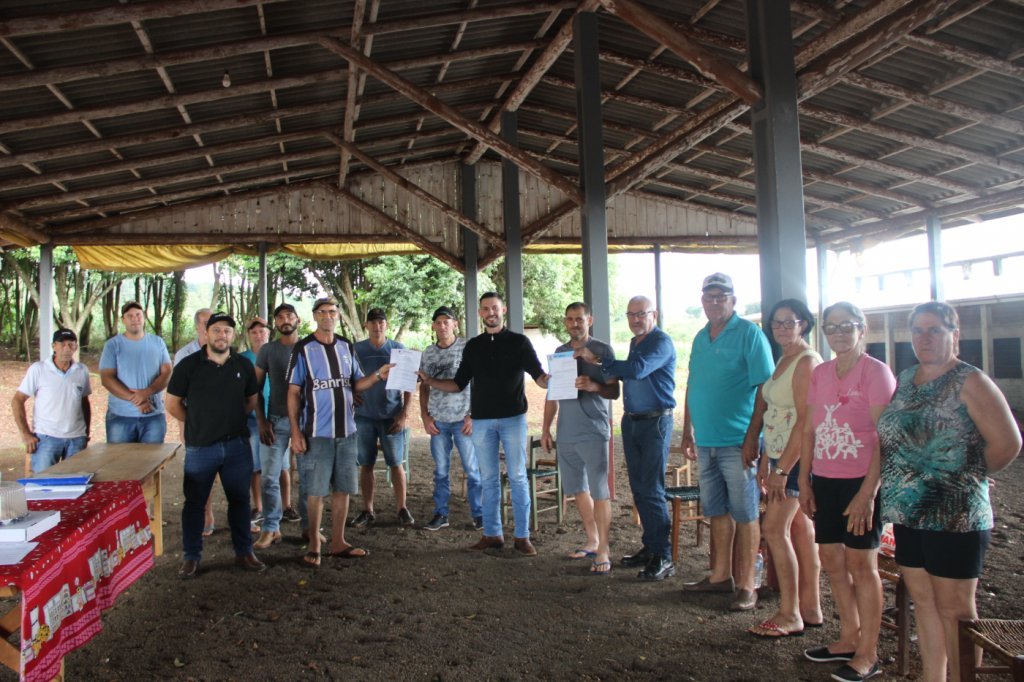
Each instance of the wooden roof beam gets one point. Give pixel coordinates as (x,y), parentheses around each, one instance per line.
(450,114)
(529,80)
(22,231)
(416,190)
(687,47)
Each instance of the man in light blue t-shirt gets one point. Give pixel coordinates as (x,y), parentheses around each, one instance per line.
(134,368)
(381,416)
(730,359)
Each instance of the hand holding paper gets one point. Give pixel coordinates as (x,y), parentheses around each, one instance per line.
(402,376)
(562,384)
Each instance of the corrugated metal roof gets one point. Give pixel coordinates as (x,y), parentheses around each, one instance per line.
(932,118)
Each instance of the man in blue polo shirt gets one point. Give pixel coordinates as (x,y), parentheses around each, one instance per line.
(648,383)
(380,418)
(730,359)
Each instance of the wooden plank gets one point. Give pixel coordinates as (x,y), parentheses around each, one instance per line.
(117,461)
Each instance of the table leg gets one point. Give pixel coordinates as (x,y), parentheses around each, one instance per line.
(157,525)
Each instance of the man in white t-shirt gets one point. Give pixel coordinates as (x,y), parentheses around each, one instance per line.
(62,413)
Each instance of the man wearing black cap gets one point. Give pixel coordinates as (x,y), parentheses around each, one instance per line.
(134,368)
(213,392)
(275,430)
(62,413)
(381,416)
(446,418)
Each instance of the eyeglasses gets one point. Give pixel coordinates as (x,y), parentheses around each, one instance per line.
(711,298)
(639,315)
(934,332)
(785,324)
(844,327)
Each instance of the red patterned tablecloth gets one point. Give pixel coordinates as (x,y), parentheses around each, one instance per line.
(102,545)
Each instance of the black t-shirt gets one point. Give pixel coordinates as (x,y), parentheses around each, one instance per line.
(495,364)
(216,396)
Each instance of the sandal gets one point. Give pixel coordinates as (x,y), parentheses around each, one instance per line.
(208,530)
(350,552)
(311,560)
(580,553)
(601,568)
(769,629)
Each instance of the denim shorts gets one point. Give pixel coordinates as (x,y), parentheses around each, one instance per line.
(371,431)
(792,480)
(727,486)
(329,466)
(583,467)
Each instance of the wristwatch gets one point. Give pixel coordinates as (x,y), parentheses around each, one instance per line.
(377,373)
(780,471)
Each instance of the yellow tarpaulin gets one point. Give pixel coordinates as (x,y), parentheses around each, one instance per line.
(152,258)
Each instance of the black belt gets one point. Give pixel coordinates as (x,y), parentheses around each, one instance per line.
(654,414)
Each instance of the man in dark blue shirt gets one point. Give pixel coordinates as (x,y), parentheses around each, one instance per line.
(648,383)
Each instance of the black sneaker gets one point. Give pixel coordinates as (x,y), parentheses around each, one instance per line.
(405,517)
(437,523)
(290,515)
(256,518)
(364,519)
(821,654)
(478,523)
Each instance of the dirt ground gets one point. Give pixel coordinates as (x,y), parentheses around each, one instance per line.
(421,607)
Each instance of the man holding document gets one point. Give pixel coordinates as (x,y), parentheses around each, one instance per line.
(495,362)
(648,375)
(381,414)
(583,431)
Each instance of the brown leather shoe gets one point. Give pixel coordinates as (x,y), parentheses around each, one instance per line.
(525,547)
(745,600)
(189,569)
(250,563)
(267,538)
(488,542)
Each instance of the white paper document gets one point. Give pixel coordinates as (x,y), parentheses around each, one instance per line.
(12,553)
(402,376)
(562,384)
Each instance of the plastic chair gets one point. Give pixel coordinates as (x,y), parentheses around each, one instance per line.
(544,481)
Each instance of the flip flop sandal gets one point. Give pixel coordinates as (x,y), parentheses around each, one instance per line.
(350,553)
(594,568)
(311,560)
(208,531)
(583,554)
(769,629)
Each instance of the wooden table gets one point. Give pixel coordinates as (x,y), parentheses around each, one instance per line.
(142,462)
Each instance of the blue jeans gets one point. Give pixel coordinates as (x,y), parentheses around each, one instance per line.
(233,461)
(254,442)
(271,461)
(51,450)
(511,433)
(441,450)
(646,443)
(136,429)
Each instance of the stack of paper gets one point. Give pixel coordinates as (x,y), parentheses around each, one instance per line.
(68,486)
(29,527)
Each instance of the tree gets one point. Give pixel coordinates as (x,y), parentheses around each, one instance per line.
(550,283)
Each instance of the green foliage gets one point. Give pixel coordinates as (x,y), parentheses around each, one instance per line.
(550,283)
(410,288)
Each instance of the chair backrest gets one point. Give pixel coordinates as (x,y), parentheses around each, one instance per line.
(539,457)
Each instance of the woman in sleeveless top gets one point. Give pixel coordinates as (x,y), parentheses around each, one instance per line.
(946,429)
(779,414)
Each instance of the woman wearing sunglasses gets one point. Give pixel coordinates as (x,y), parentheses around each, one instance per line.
(839,478)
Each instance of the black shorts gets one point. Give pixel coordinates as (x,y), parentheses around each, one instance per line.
(831,497)
(942,553)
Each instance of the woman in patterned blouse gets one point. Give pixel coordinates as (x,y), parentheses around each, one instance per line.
(947,427)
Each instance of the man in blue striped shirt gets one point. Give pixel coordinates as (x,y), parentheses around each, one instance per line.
(322,374)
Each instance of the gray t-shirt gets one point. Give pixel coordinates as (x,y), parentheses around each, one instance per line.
(442,363)
(586,418)
(273,359)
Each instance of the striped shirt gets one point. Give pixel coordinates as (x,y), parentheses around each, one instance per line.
(326,374)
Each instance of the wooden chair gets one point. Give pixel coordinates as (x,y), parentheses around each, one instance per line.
(544,481)
(678,496)
(1002,640)
(899,613)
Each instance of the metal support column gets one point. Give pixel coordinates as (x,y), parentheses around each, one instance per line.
(987,365)
(778,177)
(470,249)
(935,259)
(594,229)
(821,252)
(657,286)
(513,227)
(45,301)
(262,283)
